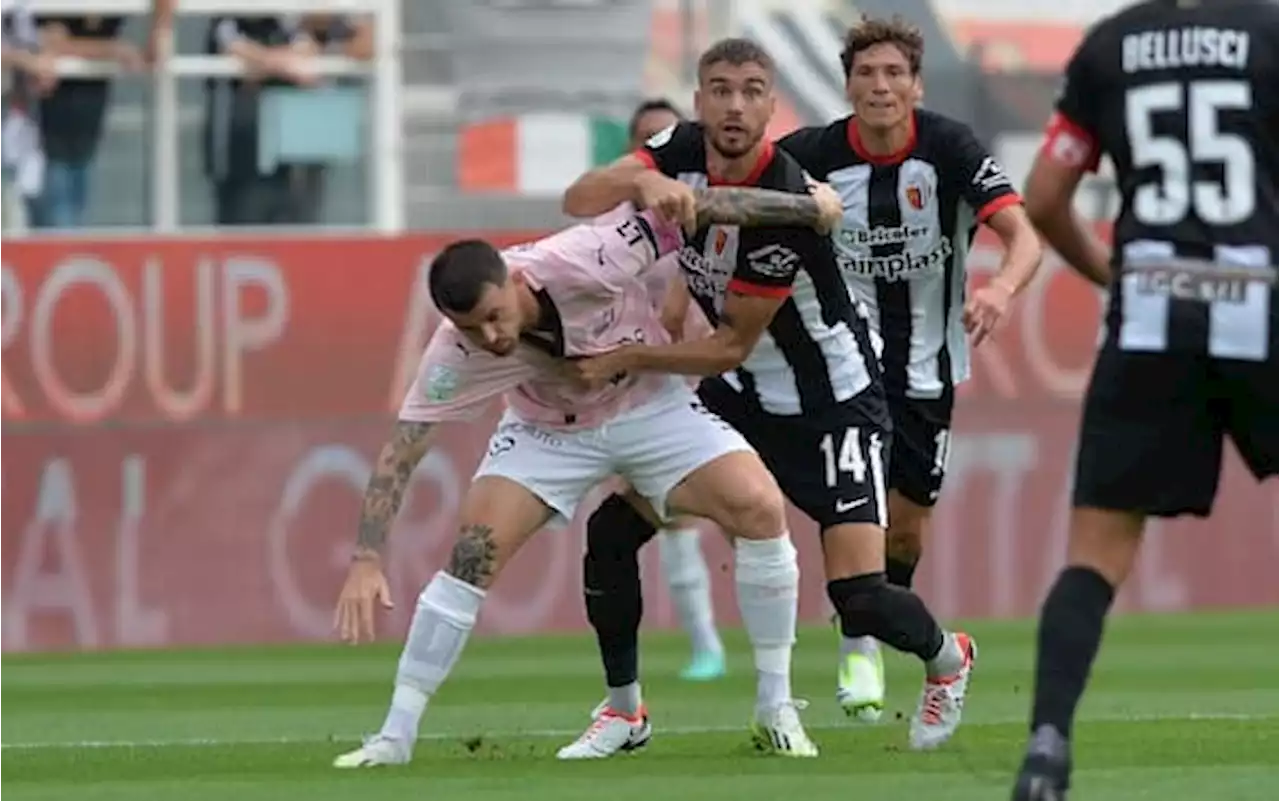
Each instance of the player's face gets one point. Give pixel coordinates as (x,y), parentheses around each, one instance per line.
(735,103)
(650,123)
(881,86)
(495,322)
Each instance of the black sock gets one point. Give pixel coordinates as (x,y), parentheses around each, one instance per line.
(900,573)
(611,586)
(869,605)
(1070,632)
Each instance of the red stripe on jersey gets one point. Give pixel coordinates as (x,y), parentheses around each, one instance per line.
(1000,203)
(742,287)
(1066,142)
(646,157)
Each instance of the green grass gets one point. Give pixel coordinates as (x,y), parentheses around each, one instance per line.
(1181,707)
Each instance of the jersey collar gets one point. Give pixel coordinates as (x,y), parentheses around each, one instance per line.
(884,160)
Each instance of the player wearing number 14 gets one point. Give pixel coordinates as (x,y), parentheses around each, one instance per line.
(1182,97)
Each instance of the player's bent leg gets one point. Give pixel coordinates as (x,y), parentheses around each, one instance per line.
(689,584)
(498,517)
(860,685)
(611,590)
(737,492)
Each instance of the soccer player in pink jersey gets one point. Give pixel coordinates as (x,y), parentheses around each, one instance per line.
(513,319)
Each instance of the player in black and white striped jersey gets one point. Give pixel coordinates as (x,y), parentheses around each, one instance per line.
(1182,97)
(914,184)
(794,371)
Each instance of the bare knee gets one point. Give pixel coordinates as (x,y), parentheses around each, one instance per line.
(1105,541)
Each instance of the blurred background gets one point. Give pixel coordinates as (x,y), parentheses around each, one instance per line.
(216,216)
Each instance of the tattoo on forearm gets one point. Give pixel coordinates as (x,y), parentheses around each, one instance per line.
(386,487)
(473,555)
(730,206)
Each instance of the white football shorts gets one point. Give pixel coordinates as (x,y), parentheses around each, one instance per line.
(653,446)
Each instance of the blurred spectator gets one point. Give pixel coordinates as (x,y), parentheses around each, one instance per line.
(27,75)
(71,116)
(276,51)
(649,118)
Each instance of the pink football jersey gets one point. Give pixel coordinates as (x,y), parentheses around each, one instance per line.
(608,280)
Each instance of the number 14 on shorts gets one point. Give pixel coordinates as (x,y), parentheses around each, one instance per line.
(852,453)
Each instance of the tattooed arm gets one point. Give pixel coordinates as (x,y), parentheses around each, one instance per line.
(382,497)
(820,210)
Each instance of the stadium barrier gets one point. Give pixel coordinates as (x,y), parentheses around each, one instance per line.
(189,423)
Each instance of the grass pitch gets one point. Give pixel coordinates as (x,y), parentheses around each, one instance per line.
(1181,707)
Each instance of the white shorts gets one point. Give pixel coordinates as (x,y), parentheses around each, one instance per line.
(654,447)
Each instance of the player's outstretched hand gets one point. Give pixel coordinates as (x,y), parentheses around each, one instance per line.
(673,200)
(364,589)
(986,308)
(829,204)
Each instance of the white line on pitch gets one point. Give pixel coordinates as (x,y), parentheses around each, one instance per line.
(339,739)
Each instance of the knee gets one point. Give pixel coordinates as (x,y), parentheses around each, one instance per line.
(857,601)
(616,530)
(474,559)
(754,509)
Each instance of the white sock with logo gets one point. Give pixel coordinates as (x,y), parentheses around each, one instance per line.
(768,583)
(442,622)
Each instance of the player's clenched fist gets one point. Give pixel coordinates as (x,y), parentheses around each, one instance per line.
(673,200)
(365,588)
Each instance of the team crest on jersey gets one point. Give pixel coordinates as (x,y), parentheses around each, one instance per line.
(722,239)
(917,196)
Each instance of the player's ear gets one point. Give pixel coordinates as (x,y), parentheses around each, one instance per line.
(773,101)
(697,103)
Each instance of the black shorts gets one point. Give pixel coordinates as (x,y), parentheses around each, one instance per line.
(1151,437)
(921,444)
(831,467)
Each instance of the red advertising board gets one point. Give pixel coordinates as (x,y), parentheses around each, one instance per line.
(188,425)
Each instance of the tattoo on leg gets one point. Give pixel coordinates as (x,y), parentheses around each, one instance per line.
(473,555)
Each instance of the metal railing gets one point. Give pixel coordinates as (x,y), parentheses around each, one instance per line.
(386,148)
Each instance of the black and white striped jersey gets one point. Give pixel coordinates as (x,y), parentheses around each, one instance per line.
(1182,97)
(909,218)
(817,351)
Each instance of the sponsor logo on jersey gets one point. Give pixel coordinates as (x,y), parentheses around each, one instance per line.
(774,261)
(897,266)
(661,137)
(990,176)
(442,383)
(706,276)
(722,239)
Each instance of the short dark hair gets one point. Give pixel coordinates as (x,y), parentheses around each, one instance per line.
(872,31)
(655,104)
(736,52)
(460,272)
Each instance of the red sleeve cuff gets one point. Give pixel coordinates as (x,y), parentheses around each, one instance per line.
(644,155)
(1070,144)
(742,287)
(1003,202)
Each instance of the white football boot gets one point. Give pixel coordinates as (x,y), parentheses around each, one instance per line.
(942,702)
(377,750)
(778,730)
(610,733)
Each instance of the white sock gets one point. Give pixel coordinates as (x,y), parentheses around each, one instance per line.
(768,585)
(625,699)
(446,613)
(866,645)
(948,661)
(689,583)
